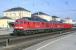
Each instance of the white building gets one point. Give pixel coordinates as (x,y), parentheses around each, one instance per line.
(16,13)
(4,22)
(43,16)
(46,16)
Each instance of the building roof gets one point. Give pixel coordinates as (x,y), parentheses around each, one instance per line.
(16,9)
(5,17)
(40,13)
(55,17)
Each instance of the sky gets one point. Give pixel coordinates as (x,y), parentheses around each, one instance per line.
(60,8)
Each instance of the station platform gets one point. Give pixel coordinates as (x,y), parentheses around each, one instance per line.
(5,31)
(66,42)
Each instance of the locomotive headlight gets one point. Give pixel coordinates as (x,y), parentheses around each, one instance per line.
(20,27)
(16,27)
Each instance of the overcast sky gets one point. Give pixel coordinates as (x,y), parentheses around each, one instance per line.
(61,8)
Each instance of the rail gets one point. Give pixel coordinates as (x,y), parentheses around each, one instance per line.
(13,40)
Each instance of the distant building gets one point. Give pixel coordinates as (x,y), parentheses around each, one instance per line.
(68,20)
(4,22)
(74,22)
(16,13)
(55,18)
(42,16)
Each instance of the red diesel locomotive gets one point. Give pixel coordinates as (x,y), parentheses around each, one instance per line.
(24,26)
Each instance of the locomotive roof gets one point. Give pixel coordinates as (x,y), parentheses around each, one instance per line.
(34,19)
(31,20)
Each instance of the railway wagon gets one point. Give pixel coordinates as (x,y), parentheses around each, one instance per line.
(23,27)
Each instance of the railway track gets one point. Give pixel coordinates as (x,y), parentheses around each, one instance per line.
(18,43)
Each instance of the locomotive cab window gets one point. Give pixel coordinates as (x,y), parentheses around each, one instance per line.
(42,23)
(24,22)
(28,22)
